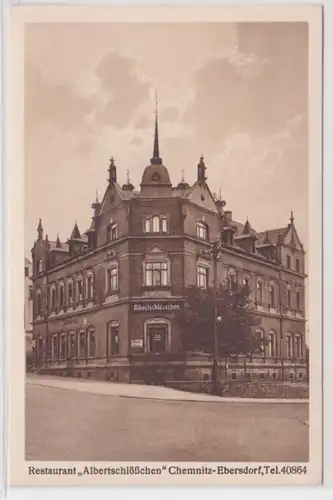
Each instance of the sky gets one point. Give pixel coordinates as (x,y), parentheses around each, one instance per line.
(235,92)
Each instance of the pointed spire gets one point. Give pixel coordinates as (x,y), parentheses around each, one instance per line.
(58,243)
(75,233)
(156,160)
(247,228)
(40,230)
(202,169)
(182,185)
(128,186)
(112,171)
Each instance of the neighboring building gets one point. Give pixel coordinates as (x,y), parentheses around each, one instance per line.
(28,317)
(105,300)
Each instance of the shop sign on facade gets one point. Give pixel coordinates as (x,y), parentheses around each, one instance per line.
(156,307)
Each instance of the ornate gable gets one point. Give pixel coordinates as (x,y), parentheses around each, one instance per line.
(200,195)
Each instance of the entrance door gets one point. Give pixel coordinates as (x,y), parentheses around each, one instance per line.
(157,338)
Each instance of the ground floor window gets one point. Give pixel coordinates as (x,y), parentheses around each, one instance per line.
(91,343)
(298,346)
(157,336)
(54,352)
(113,339)
(289,346)
(71,345)
(271,344)
(82,344)
(62,346)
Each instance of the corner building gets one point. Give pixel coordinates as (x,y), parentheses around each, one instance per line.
(105,300)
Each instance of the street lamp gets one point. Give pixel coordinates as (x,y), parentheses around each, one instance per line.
(215,254)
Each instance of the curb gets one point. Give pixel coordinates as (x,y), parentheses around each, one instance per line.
(221,400)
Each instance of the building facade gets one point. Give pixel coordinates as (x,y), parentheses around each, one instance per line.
(28,309)
(105,301)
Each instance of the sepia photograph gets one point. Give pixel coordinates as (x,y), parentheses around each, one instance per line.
(166,242)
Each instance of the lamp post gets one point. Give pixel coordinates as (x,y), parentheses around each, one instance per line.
(215,254)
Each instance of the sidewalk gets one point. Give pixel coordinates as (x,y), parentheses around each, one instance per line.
(140,391)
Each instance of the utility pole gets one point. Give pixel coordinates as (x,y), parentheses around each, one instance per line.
(216,254)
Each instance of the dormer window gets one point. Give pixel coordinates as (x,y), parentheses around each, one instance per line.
(39,266)
(156,224)
(202,231)
(112,232)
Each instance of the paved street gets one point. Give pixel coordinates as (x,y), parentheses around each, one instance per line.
(74,425)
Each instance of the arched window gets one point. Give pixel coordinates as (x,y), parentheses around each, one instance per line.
(71,345)
(271,295)
(61,295)
(271,344)
(113,340)
(79,289)
(298,346)
(246,281)
(70,294)
(232,278)
(289,345)
(62,346)
(259,291)
(260,332)
(156,224)
(40,266)
(147,225)
(54,347)
(52,298)
(289,303)
(91,342)
(38,303)
(82,344)
(89,286)
(157,334)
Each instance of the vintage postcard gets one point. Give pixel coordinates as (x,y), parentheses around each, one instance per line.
(165,199)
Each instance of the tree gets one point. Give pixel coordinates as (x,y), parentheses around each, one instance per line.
(235,319)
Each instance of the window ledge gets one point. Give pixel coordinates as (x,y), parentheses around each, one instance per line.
(150,233)
(161,287)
